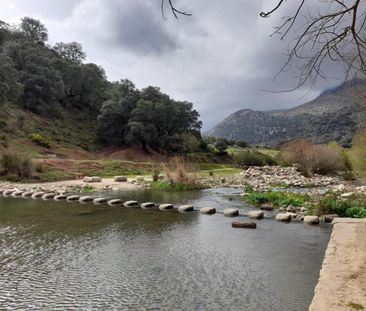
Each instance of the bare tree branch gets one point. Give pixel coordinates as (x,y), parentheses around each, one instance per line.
(173,9)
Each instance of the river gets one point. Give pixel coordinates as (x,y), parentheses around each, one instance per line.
(69,256)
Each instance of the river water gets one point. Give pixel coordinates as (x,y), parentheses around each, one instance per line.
(69,256)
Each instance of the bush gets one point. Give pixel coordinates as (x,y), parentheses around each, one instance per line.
(241,143)
(310,158)
(40,140)
(276,198)
(355,208)
(252,158)
(16,165)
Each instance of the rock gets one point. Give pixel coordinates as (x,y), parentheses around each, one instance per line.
(285,217)
(27,194)
(73,198)
(347,195)
(48,196)
(244,224)
(256,214)
(292,215)
(303,210)
(147,205)
(130,204)
(7,193)
(231,212)
(87,179)
(267,208)
(86,199)
(60,197)
(185,208)
(291,208)
(311,220)
(140,178)
(166,207)
(99,201)
(114,202)
(329,217)
(120,178)
(208,210)
(92,179)
(17,194)
(37,195)
(223,180)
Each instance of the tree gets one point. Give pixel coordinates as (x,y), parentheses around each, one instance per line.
(72,51)
(33,30)
(10,89)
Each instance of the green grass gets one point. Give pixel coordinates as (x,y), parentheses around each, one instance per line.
(215,169)
(354,208)
(276,198)
(168,186)
(356,306)
(270,152)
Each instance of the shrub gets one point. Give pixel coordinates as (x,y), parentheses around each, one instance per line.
(40,140)
(252,158)
(155,174)
(310,158)
(355,208)
(17,165)
(357,153)
(276,198)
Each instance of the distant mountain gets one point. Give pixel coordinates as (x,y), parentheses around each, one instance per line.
(334,115)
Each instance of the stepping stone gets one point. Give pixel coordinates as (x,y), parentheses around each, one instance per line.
(147,205)
(208,210)
(27,194)
(48,196)
(2,190)
(7,193)
(86,199)
(99,201)
(244,224)
(114,202)
(311,220)
(185,208)
(130,204)
(120,178)
(166,207)
(267,208)
(330,217)
(284,217)
(231,212)
(73,198)
(17,194)
(37,195)
(60,197)
(256,214)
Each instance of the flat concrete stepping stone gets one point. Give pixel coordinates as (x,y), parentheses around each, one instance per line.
(208,210)
(37,195)
(99,201)
(256,214)
(120,178)
(130,204)
(60,197)
(73,198)
(231,212)
(147,205)
(17,194)
(48,196)
(7,193)
(284,217)
(244,224)
(27,194)
(185,208)
(311,220)
(86,199)
(166,207)
(1,191)
(115,202)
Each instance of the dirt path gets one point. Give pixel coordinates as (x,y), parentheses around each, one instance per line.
(342,283)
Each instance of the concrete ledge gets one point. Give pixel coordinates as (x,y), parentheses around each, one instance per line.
(342,281)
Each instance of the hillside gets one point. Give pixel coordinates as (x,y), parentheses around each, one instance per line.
(334,115)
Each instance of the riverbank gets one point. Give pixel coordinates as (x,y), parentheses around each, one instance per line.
(342,282)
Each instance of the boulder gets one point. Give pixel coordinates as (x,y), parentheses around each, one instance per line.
(87,179)
(27,194)
(140,178)
(244,224)
(92,179)
(267,208)
(60,197)
(130,203)
(73,198)
(311,220)
(329,217)
(120,178)
(208,210)
(37,195)
(86,199)
(48,196)
(114,202)
(99,201)
(256,214)
(347,195)
(185,208)
(166,207)
(285,217)
(231,212)
(147,205)
(291,209)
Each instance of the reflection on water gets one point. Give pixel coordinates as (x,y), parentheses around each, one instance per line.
(61,256)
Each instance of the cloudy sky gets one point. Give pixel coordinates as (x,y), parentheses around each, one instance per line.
(221,58)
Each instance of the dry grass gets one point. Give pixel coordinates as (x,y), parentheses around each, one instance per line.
(177,171)
(15,165)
